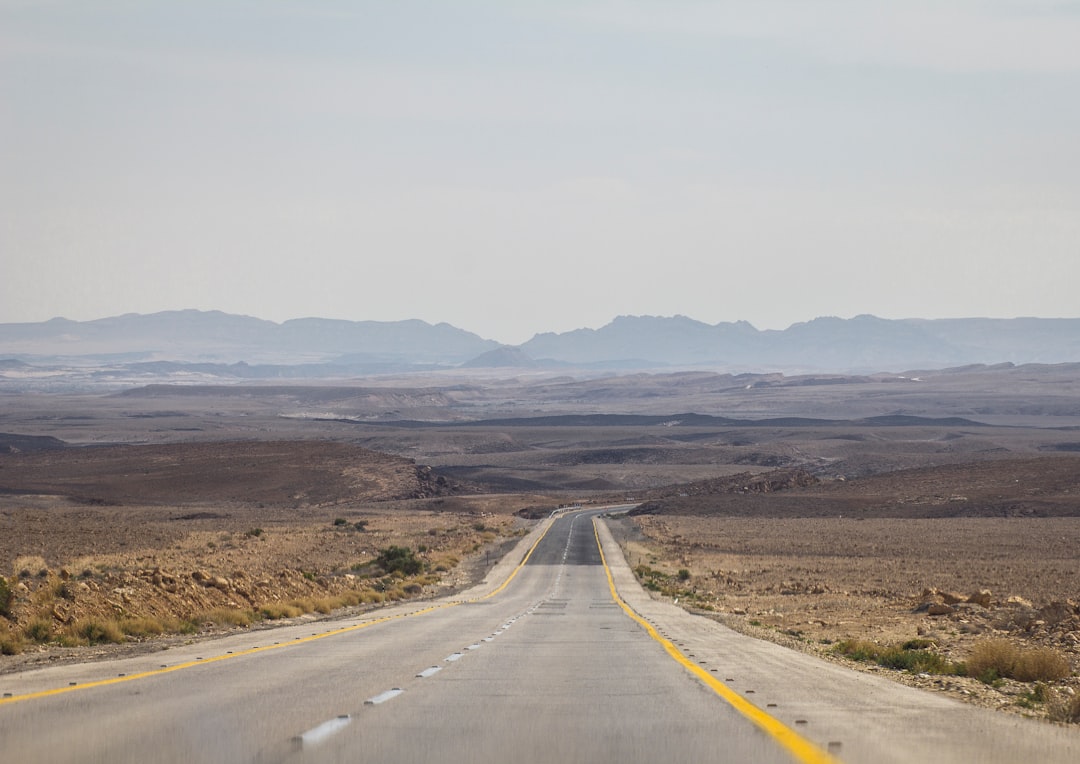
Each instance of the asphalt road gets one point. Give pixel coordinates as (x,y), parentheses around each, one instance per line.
(541,663)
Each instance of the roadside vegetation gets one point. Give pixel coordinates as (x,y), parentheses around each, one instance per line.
(676,585)
(914,655)
(34,601)
(994,659)
(395,574)
(990,661)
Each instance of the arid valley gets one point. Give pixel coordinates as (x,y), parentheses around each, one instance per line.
(932,513)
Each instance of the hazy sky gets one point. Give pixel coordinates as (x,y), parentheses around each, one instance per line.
(513,167)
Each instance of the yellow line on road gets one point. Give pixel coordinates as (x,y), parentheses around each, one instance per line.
(265,648)
(521,565)
(802,749)
(216,658)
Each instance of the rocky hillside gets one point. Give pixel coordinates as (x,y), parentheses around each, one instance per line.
(272,473)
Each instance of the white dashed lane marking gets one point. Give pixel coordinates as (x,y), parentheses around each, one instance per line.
(382,697)
(316,735)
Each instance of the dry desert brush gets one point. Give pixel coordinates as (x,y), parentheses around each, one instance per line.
(994,659)
(7,597)
(912,656)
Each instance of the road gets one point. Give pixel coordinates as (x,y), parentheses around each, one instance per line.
(561,659)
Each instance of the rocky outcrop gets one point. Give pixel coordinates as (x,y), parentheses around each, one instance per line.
(1055,622)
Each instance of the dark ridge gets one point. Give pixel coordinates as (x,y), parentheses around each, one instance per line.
(899,420)
(240,391)
(309,393)
(13,444)
(677,420)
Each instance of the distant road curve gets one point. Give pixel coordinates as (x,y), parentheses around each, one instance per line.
(557,657)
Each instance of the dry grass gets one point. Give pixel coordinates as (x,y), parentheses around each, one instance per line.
(278,610)
(141,626)
(998,658)
(992,659)
(1041,664)
(11,643)
(93,631)
(28,565)
(7,597)
(39,630)
(226,616)
(910,656)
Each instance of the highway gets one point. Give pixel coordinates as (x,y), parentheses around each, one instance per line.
(561,659)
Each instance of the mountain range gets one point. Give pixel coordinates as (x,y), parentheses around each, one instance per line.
(221,344)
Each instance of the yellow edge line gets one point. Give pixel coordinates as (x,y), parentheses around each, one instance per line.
(265,648)
(521,565)
(801,748)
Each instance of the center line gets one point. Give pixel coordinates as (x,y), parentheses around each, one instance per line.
(316,735)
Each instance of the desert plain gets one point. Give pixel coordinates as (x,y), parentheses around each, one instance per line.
(934,509)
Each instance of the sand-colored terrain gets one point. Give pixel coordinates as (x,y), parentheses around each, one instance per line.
(939,506)
(950,556)
(200,537)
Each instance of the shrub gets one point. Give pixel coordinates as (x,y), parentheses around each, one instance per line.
(141,626)
(915,661)
(7,599)
(184,626)
(340,522)
(350,598)
(361,525)
(39,630)
(10,643)
(96,631)
(991,659)
(399,559)
(857,650)
(684,574)
(994,658)
(254,532)
(900,657)
(1040,693)
(276,610)
(1041,664)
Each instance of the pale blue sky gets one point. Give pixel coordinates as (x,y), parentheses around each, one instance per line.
(515,167)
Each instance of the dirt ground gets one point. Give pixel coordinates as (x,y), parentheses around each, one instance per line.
(952,555)
(955,527)
(194,571)
(201,537)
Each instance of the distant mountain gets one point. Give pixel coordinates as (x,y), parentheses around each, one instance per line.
(506,356)
(216,337)
(860,344)
(188,344)
(635,339)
